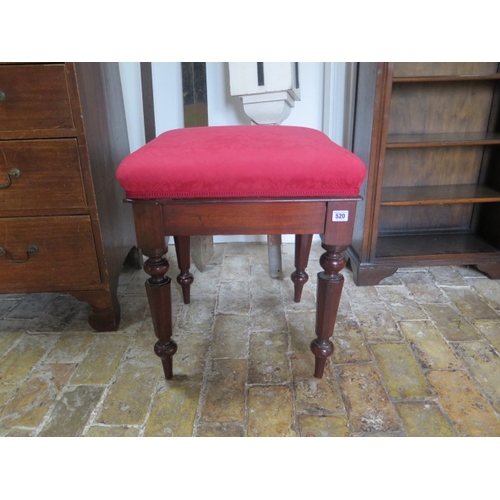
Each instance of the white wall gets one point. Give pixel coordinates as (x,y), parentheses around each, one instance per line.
(167,89)
(321,105)
(131,86)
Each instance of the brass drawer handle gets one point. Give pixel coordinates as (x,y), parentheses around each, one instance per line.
(32,250)
(3,97)
(14,173)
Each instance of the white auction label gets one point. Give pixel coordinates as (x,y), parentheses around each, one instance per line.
(340,215)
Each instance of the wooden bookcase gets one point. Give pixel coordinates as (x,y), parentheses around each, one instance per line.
(429,134)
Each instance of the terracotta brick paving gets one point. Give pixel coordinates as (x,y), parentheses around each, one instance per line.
(417,355)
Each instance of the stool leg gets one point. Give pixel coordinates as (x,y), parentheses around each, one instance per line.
(330,283)
(185,278)
(299,276)
(160,304)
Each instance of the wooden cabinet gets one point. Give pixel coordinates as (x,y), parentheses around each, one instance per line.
(63,224)
(430,136)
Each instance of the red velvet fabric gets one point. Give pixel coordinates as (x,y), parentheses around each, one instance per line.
(241,161)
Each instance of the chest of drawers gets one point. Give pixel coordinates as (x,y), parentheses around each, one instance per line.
(63,225)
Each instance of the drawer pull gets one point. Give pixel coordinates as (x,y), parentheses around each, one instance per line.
(14,173)
(32,250)
(3,97)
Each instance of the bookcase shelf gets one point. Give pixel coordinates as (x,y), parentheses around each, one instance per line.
(442,140)
(438,195)
(433,246)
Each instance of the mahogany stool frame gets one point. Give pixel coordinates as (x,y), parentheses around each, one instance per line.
(332,218)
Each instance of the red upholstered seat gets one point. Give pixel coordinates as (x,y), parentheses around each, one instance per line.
(241,161)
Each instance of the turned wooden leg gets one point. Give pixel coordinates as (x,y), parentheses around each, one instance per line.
(330,284)
(299,276)
(185,278)
(160,304)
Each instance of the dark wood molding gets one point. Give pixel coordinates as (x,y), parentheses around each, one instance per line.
(148,106)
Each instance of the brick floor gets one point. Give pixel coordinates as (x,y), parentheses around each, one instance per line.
(417,355)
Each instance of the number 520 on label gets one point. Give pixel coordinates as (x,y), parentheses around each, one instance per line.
(340,215)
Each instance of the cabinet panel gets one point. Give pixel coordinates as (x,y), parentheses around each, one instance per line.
(49,177)
(432,166)
(35,100)
(424,218)
(443,107)
(65,257)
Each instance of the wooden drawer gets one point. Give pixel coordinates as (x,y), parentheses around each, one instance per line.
(40,177)
(66,258)
(34,101)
